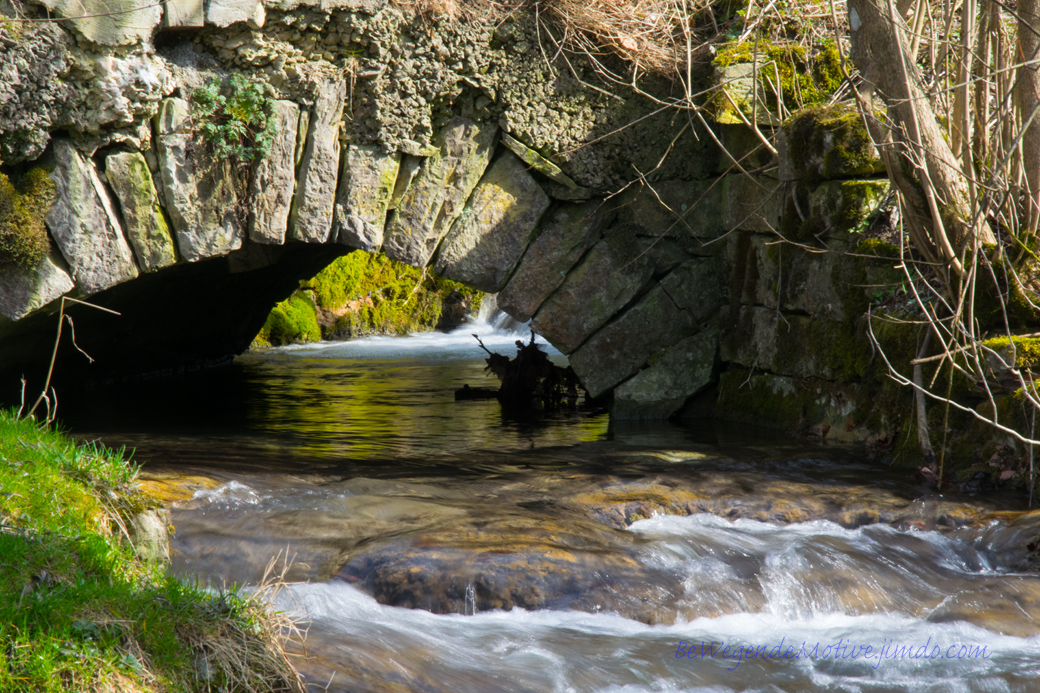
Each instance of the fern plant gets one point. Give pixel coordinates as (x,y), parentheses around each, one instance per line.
(235,123)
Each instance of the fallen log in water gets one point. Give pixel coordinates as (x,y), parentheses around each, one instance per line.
(528,380)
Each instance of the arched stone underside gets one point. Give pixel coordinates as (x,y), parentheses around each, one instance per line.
(657,294)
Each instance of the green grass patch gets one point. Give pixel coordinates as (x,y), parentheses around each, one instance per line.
(80,612)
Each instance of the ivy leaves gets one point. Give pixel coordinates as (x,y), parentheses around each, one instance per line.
(235,123)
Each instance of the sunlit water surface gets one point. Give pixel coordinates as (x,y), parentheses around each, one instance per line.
(554,552)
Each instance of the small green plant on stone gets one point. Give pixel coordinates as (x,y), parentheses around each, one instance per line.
(23,236)
(236,122)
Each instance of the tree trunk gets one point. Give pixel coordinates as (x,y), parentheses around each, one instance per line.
(1028,93)
(935,191)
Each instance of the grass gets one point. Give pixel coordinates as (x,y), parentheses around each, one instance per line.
(80,612)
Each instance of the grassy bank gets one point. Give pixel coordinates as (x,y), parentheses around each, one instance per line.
(79,611)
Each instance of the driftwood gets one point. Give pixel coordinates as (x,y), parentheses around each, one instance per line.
(528,380)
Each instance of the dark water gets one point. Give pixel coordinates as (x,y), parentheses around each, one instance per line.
(559,553)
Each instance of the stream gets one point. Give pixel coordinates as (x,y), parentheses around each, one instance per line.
(443,546)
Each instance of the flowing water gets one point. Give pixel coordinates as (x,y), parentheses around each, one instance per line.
(437,545)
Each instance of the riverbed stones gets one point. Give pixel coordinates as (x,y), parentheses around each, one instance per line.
(622,347)
(124,23)
(565,236)
(23,291)
(608,278)
(311,217)
(436,196)
(202,204)
(271,189)
(674,375)
(84,224)
(143,218)
(367,182)
(490,236)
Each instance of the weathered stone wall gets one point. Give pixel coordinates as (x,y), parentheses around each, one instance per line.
(454,146)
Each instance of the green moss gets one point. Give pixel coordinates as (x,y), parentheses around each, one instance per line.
(79,611)
(293,321)
(23,235)
(806,77)
(827,142)
(1026,349)
(373,294)
(877,248)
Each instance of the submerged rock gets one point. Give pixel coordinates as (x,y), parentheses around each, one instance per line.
(506,562)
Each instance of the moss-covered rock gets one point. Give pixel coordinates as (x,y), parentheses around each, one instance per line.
(292,321)
(787,73)
(364,294)
(23,235)
(827,142)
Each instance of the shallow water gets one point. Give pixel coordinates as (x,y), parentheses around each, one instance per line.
(447,546)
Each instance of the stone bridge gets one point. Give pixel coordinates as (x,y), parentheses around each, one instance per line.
(659,293)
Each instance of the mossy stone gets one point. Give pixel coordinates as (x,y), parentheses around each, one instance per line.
(827,142)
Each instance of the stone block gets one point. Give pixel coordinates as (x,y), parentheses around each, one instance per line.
(625,345)
(816,283)
(566,234)
(694,287)
(674,375)
(366,184)
(108,22)
(807,406)
(752,203)
(839,206)
(752,267)
(184,13)
(610,275)
(794,345)
(744,146)
(202,204)
(439,191)
(487,240)
(143,218)
(84,224)
(735,95)
(224,13)
(271,190)
(311,217)
(827,142)
(538,162)
(674,208)
(23,291)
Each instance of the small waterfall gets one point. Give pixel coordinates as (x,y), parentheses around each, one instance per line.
(496,319)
